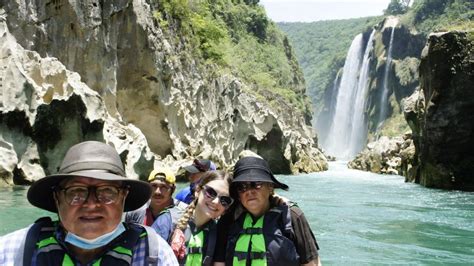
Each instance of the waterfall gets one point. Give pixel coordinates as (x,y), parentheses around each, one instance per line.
(339,136)
(358,135)
(325,120)
(384,95)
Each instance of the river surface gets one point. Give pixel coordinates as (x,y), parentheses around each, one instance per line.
(357,217)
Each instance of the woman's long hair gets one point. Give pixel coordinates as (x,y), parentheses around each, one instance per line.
(205,178)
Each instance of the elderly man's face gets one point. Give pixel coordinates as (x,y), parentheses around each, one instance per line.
(93,217)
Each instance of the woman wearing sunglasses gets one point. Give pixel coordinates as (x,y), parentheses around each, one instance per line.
(194,238)
(266,233)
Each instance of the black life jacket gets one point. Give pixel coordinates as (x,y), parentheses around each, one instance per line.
(278,235)
(41,240)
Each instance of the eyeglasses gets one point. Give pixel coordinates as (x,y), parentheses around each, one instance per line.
(163,188)
(242,187)
(211,194)
(77,195)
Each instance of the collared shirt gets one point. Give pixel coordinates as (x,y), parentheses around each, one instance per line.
(11,250)
(140,216)
(163,224)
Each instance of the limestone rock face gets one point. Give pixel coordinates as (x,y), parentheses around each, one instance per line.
(386,156)
(45,109)
(106,70)
(402,76)
(442,120)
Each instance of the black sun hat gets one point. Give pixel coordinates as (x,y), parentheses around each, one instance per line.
(254,169)
(91,159)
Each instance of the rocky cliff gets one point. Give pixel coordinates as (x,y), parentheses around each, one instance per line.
(46,108)
(386,59)
(440,114)
(107,70)
(443,113)
(401,78)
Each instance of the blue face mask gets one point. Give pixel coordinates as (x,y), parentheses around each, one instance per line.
(96,242)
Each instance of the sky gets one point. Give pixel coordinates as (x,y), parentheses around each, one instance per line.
(314,10)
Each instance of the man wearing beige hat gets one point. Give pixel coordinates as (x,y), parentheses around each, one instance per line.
(89,194)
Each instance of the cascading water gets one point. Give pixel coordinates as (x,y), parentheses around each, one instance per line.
(384,95)
(339,136)
(325,120)
(358,135)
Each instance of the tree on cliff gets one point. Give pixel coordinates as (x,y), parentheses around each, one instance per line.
(397,7)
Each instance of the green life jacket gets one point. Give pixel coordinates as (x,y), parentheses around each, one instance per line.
(268,241)
(200,244)
(42,243)
(252,239)
(194,249)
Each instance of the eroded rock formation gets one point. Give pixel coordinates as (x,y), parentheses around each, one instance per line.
(386,156)
(45,109)
(74,70)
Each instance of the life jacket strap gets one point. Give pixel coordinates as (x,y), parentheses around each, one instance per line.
(194,250)
(252,231)
(240,255)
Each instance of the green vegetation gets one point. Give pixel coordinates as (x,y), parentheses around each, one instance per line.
(407,70)
(397,7)
(321,48)
(238,37)
(440,15)
(396,124)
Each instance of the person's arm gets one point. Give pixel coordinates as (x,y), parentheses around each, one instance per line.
(163,225)
(305,242)
(223,226)
(166,255)
(280,200)
(11,247)
(313,263)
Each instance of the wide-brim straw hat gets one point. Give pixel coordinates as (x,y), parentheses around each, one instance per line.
(91,159)
(254,169)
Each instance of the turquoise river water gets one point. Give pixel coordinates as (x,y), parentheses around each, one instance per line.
(357,217)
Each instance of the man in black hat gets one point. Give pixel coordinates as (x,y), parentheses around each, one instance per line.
(89,194)
(266,233)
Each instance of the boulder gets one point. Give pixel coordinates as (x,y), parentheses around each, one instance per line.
(386,156)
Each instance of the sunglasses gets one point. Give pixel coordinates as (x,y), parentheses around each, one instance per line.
(211,194)
(244,186)
(77,195)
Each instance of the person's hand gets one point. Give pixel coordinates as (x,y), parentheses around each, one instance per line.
(178,244)
(280,200)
